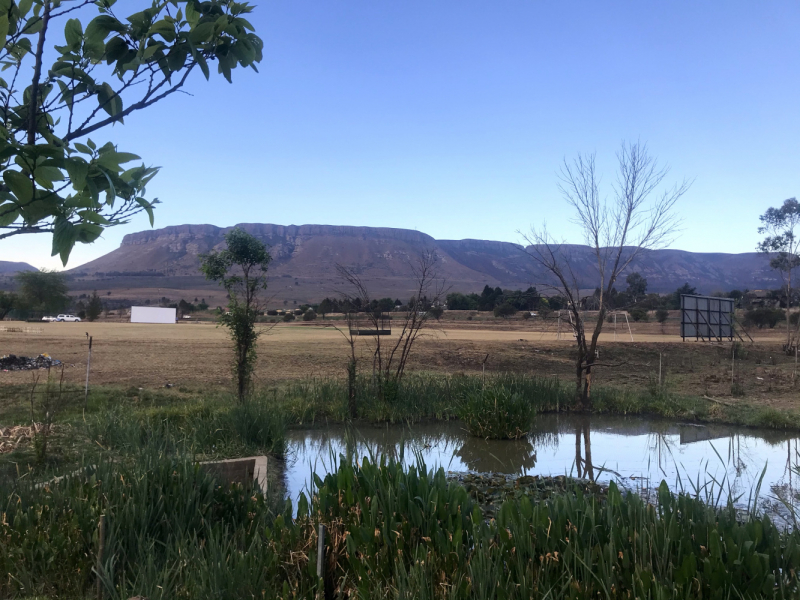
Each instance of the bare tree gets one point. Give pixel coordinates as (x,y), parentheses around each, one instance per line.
(391,357)
(350,334)
(636,218)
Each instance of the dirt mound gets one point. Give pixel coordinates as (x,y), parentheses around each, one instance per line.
(12,362)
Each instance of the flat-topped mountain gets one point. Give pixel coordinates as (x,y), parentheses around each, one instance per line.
(304,258)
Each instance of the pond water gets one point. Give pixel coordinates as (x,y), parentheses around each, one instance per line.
(636,453)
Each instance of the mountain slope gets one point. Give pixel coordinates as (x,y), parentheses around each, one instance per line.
(8,267)
(306,256)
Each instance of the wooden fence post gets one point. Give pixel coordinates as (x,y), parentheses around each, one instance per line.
(88,366)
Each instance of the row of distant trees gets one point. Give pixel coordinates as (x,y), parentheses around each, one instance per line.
(45,292)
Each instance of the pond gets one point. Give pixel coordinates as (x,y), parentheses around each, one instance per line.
(636,453)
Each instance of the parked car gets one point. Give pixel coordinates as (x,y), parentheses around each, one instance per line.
(49,319)
(68,319)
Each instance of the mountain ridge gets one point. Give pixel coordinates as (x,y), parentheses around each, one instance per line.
(308,254)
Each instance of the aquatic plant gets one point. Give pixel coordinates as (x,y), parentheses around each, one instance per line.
(497,413)
(392,532)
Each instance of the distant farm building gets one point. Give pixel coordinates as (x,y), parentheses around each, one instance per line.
(152,314)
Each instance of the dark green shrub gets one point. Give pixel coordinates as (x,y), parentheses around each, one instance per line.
(505,310)
(638,314)
(497,413)
(764,317)
(309,315)
(662,314)
(288,317)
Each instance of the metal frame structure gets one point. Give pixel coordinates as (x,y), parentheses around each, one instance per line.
(385,327)
(707,318)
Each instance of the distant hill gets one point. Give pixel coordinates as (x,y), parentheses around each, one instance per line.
(7,267)
(305,256)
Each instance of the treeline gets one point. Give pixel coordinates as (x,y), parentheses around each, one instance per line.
(634,297)
(491,298)
(356,305)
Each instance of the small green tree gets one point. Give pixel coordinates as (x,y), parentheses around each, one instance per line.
(637,286)
(43,291)
(505,310)
(94,308)
(782,244)
(662,314)
(325,307)
(242,270)
(8,302)
(309,315)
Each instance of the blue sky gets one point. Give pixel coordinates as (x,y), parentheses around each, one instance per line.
(453,118)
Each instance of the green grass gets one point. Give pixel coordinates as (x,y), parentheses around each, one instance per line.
(497,414)
(214,425)
(392,532)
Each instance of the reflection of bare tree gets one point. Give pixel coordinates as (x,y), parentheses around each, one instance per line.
(583,464)
(513,457)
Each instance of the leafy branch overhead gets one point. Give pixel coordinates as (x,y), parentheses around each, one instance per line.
(55,178)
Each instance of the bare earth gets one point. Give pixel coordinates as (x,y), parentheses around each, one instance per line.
(197,355)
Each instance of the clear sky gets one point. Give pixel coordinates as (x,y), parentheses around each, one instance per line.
(452,117)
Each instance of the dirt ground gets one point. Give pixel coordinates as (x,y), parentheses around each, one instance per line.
(197,356)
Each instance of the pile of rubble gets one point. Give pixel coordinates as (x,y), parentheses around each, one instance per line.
(12,362)
(12,437)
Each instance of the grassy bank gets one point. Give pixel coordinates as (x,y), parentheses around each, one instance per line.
(214,425)
(391,533)
(437,397)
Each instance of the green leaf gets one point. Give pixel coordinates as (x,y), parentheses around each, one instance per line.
(20,185)
(77,169)
(202,33)
(3,29)
(203,65)
(192,14)
(45,176)
(99,28)
(64,236)
(8,213)
(88,232)
(116,48)
(73,32)
(93,217)
(109,100)
(83,148)
(164,29)
(24,7)
(33,25)
(148,208)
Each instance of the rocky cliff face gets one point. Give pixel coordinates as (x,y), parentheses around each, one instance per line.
(310,252)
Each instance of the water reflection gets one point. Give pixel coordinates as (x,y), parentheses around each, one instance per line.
(637,453)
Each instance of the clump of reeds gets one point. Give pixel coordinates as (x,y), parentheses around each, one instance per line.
(497,413)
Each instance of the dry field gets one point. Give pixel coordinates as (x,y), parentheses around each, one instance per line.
(197,355)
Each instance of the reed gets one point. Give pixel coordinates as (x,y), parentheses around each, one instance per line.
(393,532)
(497,414)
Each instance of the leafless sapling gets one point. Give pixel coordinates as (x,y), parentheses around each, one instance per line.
(636,218)
(390,357)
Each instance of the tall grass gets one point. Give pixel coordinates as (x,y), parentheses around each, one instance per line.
(419,397)
(497,414)
(392,532)
(422,396)
(210,428)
